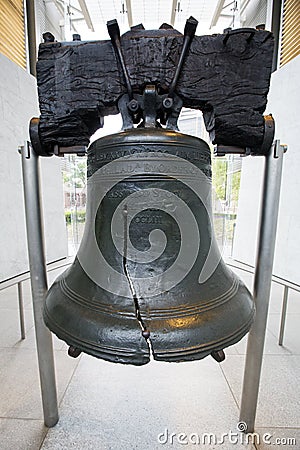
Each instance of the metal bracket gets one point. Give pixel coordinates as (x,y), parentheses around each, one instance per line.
(154,110)
(114,33)
(279,149)
(150,109)
(189,33)
(38,147)
(25,149)
(79,150)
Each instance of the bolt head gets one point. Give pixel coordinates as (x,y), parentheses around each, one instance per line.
(168,103)
(133,105)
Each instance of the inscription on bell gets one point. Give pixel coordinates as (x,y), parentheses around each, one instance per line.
(188,154)
(148,219)
(145,194)
(148,167)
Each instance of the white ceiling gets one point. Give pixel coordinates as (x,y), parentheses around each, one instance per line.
(151,13)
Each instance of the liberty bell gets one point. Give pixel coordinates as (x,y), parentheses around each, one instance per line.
(148,281)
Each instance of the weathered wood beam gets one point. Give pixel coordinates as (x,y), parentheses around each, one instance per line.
(227,80)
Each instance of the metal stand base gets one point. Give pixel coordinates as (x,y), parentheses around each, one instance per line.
(262,283)
(38,274)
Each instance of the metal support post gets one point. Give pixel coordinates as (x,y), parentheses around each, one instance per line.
(21,310)
(283,314)
(33,211)
(262,283)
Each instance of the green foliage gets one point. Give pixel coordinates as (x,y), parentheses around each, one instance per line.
(72,215)
(219,169)
(77,174)
(236,180)
(219,180)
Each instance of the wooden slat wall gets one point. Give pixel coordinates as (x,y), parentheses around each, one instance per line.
(12,34)
(290,44)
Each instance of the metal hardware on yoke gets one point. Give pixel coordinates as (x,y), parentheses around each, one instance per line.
(149,112)
(152,110)
(41,150)
(165,108)
(189,33)
(114,33)
(229,33)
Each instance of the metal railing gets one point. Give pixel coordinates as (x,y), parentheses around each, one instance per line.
(25,276)
(275,279)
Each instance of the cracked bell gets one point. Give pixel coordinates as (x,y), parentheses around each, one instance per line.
(148,280)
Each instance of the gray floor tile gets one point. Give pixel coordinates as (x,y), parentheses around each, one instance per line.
(232,350)
(30,342)
(281,438)
(276,296)
(293,305)
(19,381)
(113,406)
(291,340)
(10,326)
(9,296)
(18,434)
(279,398)
(90,434)
(271,346)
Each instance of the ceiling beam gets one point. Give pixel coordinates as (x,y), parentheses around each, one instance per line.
(173,12)
(86,14)
(129,13)
(244,5)
(59,7)
(217,13)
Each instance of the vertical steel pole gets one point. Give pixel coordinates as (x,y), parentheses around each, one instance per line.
(31,35)
(283,314)
(34,225)
(262,283)
(21,310)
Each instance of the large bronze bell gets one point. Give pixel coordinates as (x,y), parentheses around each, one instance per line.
(148,279)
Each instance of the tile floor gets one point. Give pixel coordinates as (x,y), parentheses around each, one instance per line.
(108,406)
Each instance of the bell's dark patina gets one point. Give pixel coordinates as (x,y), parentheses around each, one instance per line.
(148,279)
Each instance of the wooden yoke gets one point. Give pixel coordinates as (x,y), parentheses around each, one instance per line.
(226,76)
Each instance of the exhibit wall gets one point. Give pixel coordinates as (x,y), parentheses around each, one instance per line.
(18,103)
(283,103)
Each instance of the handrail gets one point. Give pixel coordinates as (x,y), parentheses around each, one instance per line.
(53,265)
(287,285)
(250,269)
(18,280)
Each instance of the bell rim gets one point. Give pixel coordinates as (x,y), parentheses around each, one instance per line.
(185,354)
